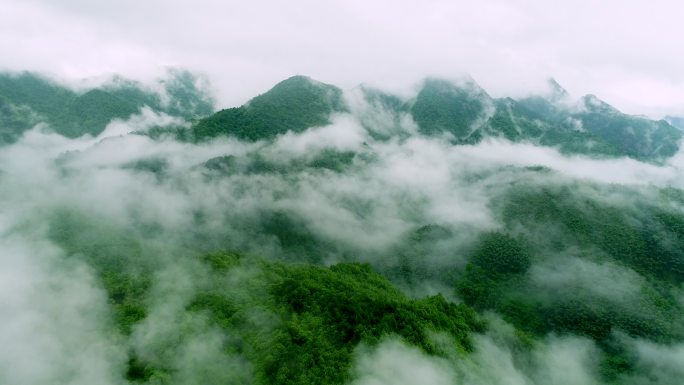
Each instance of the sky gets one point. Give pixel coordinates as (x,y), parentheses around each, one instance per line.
(627,52)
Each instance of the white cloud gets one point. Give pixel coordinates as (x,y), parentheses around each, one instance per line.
(625,52)
(54,316)
(555,361)
(395,363)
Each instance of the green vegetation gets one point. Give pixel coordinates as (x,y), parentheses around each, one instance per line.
(336,252)
(91,112)
(325,313)
(320,314)
(466,112)
(646,239)
(14,120)
(444,107)
(116,254)
(26,99)
(496,265)
(382,114)
(558,221)
(325,160)
(595,128)
(635,137)
(294,104)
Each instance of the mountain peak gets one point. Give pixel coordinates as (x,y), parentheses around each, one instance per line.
(444,106)
(294,104)
(297,86)
(465,84)
(557,92)
(297,80)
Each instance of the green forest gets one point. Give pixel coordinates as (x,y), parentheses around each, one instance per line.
(318,236)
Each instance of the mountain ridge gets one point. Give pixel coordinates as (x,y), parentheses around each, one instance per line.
(463,111)
(28,98)
(460,112)
(293,104)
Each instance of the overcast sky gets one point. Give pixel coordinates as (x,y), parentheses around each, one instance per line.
(628,52)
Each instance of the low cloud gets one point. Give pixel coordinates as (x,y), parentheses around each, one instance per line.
(366,207)
(247,47)
(555,361)
(56,325)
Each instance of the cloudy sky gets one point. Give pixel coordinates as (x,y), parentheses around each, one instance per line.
(628,52)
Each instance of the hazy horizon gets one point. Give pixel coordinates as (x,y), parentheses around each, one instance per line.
(624,53)
(325,233)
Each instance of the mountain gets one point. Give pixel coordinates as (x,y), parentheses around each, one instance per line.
(27,99)
(589,127)
(421,239)
(294,104)
(459,110)
(462,112)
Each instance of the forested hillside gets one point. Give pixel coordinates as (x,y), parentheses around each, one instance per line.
(317,235)
(27,99)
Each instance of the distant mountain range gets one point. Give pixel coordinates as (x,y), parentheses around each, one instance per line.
(27,99)
(460,112)
(463,113)
(253,245)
